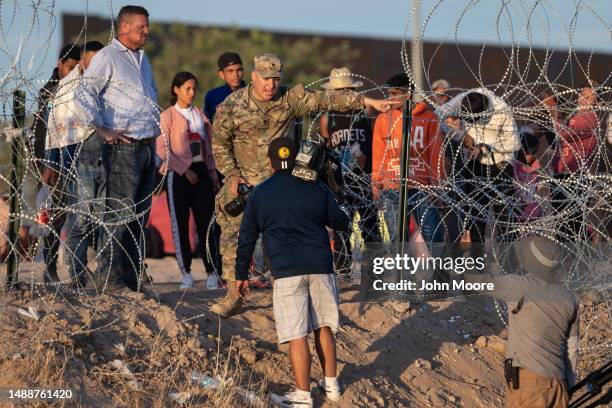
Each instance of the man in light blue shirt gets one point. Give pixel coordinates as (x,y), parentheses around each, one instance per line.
(118,98)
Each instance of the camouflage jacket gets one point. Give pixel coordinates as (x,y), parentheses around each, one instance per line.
(242,131)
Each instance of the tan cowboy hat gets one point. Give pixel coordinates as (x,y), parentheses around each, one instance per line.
(341,78)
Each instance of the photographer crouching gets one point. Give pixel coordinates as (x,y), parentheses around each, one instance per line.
(292,212)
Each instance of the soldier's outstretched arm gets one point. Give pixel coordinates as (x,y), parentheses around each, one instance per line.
(223,143)
(304,102)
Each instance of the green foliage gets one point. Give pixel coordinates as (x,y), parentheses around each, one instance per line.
(178,47)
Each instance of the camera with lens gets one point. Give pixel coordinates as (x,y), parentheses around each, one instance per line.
(235,207)
(310,160)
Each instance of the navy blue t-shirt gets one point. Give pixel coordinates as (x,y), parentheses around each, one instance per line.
(214,97)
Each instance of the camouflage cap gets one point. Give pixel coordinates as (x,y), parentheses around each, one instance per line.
(268,66)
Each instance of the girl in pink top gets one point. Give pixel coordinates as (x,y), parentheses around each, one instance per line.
(185,149)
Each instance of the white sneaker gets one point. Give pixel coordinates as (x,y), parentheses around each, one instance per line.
(292,400)
(333,394)
(187,281)
(212,281)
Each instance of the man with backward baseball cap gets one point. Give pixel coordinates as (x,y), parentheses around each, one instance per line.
(292,215)
(542,350)
(245,124)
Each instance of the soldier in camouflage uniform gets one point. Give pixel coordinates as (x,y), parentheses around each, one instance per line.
(245,124)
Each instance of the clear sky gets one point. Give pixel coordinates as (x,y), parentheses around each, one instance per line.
(586,24)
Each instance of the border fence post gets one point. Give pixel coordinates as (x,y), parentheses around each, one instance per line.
(403,216)
(17,151)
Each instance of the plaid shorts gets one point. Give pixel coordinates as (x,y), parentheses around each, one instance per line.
(303,304)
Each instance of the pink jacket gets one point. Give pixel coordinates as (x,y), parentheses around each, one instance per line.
(175,135)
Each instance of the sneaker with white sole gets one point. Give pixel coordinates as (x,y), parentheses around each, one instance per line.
(292,400)
(187,281)
(333,394)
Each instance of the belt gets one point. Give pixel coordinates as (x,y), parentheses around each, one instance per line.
(145,142)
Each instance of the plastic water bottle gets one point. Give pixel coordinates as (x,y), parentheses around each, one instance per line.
(205,380)
(249,397)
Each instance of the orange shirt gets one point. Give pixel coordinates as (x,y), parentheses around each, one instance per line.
(426,155)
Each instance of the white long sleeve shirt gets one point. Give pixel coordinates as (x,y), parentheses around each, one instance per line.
(118,92)
(497,130)
(63,126)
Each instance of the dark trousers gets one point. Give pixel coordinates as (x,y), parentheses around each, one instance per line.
(569,201)
(490,187)
(131,178)
(62,196)
(91,167)
(200,199)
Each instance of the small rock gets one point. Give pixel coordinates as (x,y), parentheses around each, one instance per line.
(401,307)
(180,398)
(250,357)
(497,344)
(420,363)
(134,295)
(481,342)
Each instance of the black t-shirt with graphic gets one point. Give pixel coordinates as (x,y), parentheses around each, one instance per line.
(349,133)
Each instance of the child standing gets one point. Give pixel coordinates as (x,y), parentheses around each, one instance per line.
(527,172)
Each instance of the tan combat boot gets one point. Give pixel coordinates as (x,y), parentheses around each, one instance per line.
(231,304)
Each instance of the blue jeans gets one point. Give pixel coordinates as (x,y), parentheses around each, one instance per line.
(419,205)
(90,193)
(131,178)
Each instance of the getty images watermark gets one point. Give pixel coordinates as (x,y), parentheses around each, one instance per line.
(406,264)
(440,271)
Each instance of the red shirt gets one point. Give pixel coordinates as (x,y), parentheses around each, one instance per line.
(578,142)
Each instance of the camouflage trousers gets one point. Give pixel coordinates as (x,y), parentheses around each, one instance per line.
(230,226)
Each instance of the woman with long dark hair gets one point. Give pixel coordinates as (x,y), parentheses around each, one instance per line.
(185,148)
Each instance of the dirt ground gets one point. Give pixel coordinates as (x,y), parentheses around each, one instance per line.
(129,349)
